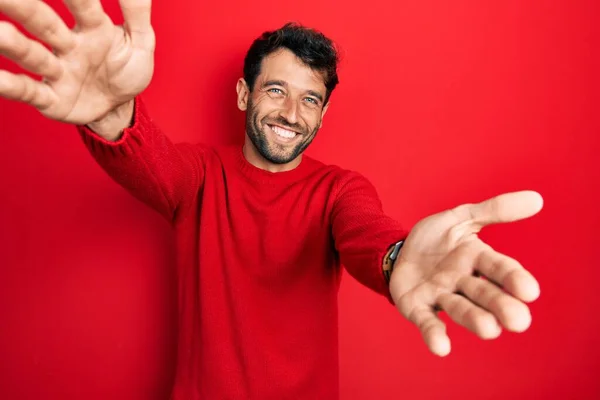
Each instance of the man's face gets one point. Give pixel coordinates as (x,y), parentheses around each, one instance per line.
(285,108)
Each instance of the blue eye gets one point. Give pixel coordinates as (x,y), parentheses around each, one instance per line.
(312,100)
(272,90)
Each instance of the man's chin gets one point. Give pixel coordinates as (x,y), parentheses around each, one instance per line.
(274,152)
(279,158)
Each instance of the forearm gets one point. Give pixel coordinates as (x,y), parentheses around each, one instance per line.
(363,233)
(365,258)
(141,158)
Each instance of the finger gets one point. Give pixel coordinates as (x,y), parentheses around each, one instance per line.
(507,207)
(508,273)
(432,329)
(25,89)
(41,21)
(136,14)
(512,314)
(465,313)
(87,13)
(27,53)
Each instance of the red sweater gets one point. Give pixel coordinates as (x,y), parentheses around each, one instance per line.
(259,258)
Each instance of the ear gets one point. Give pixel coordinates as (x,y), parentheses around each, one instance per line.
(242,94)
(323,113)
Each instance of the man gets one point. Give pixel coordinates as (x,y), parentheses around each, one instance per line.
(262,231)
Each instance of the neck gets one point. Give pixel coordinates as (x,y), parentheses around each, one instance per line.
(253,156)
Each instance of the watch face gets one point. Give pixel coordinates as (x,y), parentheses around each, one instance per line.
(396,251)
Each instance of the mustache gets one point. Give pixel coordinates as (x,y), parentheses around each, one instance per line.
(286,124)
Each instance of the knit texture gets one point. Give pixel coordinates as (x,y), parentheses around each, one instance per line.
(259,259)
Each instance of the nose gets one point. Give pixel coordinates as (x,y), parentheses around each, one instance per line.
(290,111)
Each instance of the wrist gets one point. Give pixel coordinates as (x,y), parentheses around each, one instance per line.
(112,125)
(390,259)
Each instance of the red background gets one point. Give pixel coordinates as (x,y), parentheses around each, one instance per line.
(440,103)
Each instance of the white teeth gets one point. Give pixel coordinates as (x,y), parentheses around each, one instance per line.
(283,132)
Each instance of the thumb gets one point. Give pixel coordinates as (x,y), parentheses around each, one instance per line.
(507,207)
(136,14)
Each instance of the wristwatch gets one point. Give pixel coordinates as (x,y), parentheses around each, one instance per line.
(390,259)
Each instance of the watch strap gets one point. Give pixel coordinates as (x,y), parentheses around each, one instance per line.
(390,258)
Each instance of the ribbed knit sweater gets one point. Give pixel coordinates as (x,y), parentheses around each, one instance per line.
(259,259)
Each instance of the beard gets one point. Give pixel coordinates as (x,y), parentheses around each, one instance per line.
(275,152)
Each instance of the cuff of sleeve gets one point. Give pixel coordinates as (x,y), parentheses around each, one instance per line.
(131,137)
(386,243)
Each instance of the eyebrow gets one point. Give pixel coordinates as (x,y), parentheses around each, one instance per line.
(284,84)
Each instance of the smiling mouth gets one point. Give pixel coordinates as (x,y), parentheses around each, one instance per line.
(283,132)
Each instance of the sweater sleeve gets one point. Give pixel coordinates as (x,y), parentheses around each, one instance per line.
(362,232)
(163,175)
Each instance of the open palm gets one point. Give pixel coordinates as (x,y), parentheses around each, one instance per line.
(92,69)
(440,268)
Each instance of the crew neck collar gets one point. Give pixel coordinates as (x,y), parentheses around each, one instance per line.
(260,175)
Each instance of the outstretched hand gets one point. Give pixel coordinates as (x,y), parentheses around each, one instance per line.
(441,265)
(92,69)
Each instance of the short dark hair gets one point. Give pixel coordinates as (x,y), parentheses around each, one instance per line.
(311,46)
